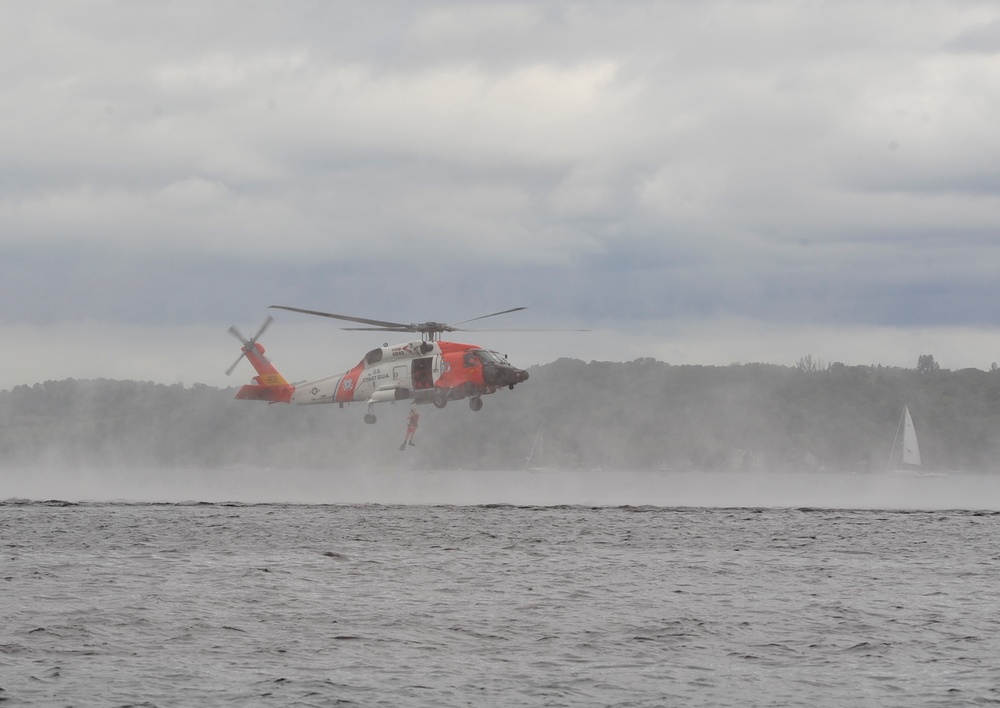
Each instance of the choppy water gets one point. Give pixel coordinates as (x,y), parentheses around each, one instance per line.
(105,604)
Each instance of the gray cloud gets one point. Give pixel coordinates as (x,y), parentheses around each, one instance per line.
(190,163)
(981,37)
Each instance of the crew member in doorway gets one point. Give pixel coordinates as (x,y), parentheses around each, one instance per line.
(411,427)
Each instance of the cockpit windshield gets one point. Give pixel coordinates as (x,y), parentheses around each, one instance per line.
(488,357)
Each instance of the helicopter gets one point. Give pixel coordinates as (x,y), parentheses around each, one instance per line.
(426,371)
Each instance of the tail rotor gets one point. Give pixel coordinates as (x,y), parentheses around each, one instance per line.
(248,344)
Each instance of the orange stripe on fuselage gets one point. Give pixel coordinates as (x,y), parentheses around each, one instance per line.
(451,347)
(349,384)
(460,367)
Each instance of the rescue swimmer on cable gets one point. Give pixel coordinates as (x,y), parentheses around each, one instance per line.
(426,371)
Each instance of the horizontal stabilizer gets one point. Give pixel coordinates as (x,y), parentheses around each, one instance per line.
(272,394)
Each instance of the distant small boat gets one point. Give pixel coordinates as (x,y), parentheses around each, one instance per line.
(910,450)
(536,450)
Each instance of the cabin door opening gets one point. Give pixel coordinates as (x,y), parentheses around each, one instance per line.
(422,376)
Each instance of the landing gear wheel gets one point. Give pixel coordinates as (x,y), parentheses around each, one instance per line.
(475,403)
(440,401)
(370,418)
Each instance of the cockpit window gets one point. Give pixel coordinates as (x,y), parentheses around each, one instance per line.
(488,357)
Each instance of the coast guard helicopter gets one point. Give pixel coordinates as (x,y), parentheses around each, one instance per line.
(425,371)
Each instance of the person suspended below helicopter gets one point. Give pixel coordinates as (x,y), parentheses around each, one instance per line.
(411,427)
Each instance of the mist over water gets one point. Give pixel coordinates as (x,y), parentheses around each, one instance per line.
(403,484)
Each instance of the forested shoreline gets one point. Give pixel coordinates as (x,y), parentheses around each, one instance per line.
(640,415)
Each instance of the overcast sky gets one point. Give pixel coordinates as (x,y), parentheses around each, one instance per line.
(701,182)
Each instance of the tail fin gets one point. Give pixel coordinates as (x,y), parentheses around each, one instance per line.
(271,386)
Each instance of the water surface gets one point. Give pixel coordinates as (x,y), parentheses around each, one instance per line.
(397,605)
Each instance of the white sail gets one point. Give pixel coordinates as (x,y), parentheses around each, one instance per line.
(911,451)
(532,463)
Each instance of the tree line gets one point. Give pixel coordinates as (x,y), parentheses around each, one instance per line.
(639,415)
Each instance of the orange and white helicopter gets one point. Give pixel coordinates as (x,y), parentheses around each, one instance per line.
(426,371)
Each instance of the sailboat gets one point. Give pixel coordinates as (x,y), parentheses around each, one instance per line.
(536,451)
(911,451)
(910,456)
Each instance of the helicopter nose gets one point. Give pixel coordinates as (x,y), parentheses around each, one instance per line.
(512,375)
(504,375)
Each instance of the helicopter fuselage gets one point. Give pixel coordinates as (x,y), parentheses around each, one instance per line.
(421,371)
(425,371)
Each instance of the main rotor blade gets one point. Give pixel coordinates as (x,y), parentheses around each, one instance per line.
(378,329)
(524,330)
(360,320)
(483,317)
